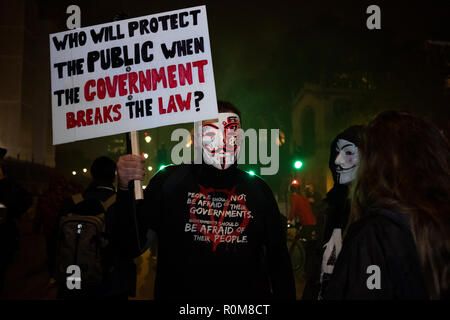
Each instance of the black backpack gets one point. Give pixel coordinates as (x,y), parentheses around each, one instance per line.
(82,240)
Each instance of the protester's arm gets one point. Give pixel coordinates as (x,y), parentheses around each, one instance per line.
(148,210)
(278,260)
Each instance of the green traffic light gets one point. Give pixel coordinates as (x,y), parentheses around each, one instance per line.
(298,164)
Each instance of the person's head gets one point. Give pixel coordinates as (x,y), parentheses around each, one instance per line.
(344,155)
(103,170)
(221,137)
(405,167)
(295,186)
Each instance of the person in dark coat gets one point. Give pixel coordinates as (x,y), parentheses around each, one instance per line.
(335,209)
(399,244)
(14,202)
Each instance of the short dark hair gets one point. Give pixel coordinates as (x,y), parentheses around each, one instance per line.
(225,106)
(103,169)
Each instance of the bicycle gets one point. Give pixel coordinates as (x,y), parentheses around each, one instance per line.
(296,249)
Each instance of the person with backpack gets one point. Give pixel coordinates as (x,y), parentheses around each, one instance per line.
(87,240)
(219,228)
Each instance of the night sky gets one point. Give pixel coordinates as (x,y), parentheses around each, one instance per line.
(264,52)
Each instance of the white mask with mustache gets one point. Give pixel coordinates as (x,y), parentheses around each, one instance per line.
(221,140)
(347,161)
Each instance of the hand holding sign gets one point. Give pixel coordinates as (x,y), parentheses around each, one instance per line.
(130,167)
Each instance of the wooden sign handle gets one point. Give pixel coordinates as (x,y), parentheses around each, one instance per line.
(134,137)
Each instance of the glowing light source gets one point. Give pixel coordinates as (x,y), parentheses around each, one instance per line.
(162,167)
(298,164)
(150,168)
(145,155)
(143,187)
(251,172)
(148,139)
(84,170)
(74,172)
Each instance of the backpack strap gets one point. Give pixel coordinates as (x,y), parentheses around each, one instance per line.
(77,198)
(107,203)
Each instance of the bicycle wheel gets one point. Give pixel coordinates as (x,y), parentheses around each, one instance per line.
(297,253)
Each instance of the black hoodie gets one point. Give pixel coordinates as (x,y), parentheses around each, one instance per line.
(379,261)
(219,235)
(337,209)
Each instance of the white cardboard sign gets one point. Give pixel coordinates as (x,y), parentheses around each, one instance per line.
(131,75)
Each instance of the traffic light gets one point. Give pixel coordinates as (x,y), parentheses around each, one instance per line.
(298,157)
(298,164)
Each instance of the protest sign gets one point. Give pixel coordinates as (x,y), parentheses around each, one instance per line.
(131,75)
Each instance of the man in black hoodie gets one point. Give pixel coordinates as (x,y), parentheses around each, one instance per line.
(343,163)
(219,228)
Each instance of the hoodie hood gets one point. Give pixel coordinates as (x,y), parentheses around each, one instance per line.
(352,134)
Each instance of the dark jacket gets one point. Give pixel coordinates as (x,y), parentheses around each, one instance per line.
(219,235)
(16,201)
(335,210)
(383,240)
